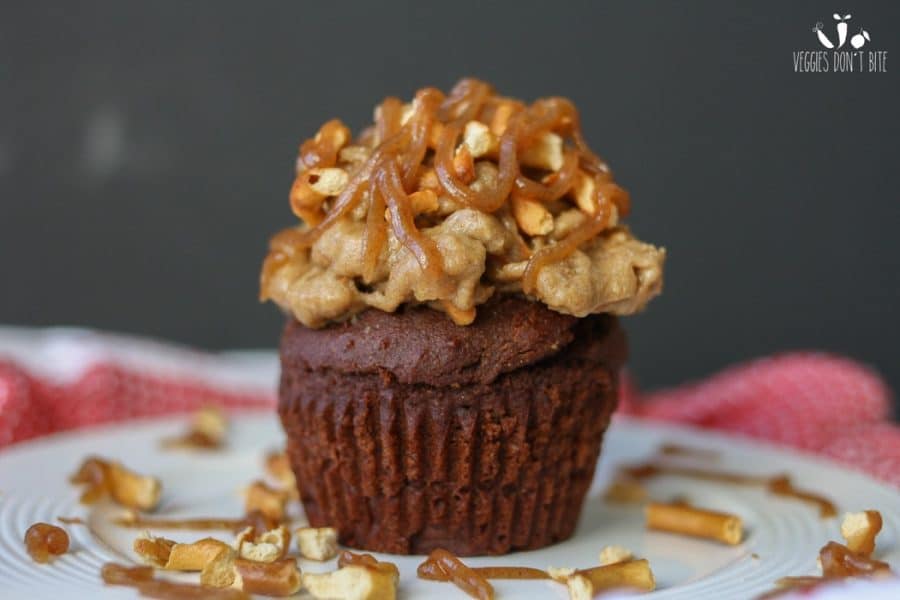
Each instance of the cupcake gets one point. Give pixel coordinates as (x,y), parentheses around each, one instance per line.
(450,359)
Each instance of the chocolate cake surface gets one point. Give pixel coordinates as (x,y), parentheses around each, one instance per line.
(424,346)
(407,432)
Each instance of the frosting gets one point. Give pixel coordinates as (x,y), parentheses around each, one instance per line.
(450,200)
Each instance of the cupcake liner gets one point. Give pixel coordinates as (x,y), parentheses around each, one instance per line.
(476,469)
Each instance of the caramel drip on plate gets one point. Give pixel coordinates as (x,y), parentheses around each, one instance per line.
(782,486)
(779,485)
(71,520)
(441,565)
(839,561)
(199,523)
(431,571)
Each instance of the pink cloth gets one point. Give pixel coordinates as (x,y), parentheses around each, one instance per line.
(827,405)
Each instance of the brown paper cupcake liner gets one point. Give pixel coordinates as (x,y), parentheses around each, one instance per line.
(476,469)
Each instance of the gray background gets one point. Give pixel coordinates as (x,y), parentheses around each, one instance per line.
(146,151)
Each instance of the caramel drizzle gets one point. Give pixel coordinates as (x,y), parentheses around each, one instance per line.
(431,571)
(142,578)
(347,558)
(779,485)
(195,523)
(136,521)
(436,123)
(792,585)
(441,565)
(838,562)
(196,440)
(671,449)
(782,486)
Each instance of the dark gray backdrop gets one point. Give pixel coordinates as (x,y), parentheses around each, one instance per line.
(146,151)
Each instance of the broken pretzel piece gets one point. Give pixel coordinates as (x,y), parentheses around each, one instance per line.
(860,530)
(532,217)
(219,572)
(545,152)
(196,555)
(153,550)
(584,584)
(480,140)
(611,555)
(173,556)
(626,491)
(267,546)
(279,467)
(317,543)
(353,582)
(105,478)
(207,431)
(267,500)
(278,578)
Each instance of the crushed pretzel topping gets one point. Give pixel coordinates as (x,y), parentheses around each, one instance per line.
(270,502)
(317,543)
(860,529)
(353,582)
(277,578)
(430,204)
(196,555)
(154,551)
(625,490)
(611,555)
(207,431)
(267,546)
(279,467)
(579,587)
(560,573)
(107,479)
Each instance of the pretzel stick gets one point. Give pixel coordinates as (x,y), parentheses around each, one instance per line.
(632,574)
(697,522)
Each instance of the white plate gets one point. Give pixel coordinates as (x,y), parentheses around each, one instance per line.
(783,536)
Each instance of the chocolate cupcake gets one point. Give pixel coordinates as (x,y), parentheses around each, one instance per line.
(451,354)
